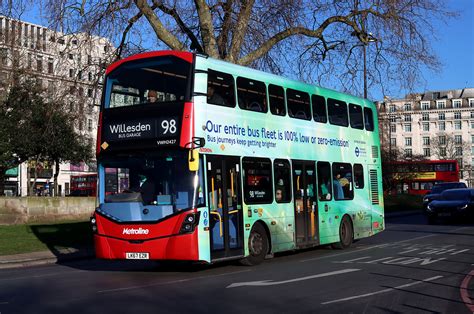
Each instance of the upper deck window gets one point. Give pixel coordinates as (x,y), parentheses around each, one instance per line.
(220,89)
(319,108)
(277,100)
(369,119)
(337,112)
(298,104)
(252,95)
(355,113)
(161,79)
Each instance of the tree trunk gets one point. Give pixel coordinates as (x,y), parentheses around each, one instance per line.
(56,174)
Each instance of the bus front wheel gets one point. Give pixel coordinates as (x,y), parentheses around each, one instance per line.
(258,246)
(346,234)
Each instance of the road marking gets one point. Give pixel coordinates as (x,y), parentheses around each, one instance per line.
(365,249)
(383,291)
(170,282)
(465,293)
(274,283)
(378,260)
(353,260)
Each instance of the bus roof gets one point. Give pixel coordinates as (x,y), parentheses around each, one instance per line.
(187,56)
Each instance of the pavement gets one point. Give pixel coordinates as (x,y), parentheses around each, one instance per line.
(73,254)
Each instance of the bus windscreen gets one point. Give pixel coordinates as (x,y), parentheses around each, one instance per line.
(157,80)
(161,182)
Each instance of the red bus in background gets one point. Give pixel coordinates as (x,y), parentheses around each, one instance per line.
(418,177)
(84,185)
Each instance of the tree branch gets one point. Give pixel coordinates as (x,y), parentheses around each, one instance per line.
(240,29)
(160,30)
(174,14)
(207,29)
(226,25)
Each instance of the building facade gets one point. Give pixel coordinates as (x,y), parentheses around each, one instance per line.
(432,125)
(69,67)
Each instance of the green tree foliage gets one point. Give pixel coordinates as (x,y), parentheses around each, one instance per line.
(34,128)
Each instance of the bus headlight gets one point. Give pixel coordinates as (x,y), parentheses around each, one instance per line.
(190,222)
(93,224)
(429,208)
(463,207)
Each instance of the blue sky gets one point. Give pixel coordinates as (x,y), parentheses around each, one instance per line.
(454,45)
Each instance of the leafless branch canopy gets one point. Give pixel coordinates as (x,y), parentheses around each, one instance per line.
(313,39)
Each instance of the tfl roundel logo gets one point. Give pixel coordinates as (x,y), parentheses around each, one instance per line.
(357,152)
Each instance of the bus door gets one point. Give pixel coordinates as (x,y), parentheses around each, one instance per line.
(306,211)
(225,206)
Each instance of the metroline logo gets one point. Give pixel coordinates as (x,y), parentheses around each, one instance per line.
(135,231)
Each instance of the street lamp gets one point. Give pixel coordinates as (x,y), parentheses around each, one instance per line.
(369,38)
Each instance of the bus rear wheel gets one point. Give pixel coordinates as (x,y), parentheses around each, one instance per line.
(346,234)
(258,246)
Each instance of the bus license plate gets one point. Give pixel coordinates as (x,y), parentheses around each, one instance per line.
(444,214)
(135,255)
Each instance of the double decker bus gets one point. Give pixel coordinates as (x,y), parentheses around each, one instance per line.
(83,185)
(418,177)
(204,160)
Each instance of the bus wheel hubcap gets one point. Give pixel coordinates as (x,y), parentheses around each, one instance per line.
(256,243)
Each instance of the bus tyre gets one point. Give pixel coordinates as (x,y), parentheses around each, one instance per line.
(258,246)
(346,234)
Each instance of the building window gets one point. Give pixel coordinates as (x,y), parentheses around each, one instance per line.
(407,127)
(441,116)
(39,64)
(471,103)
(70,56)
(392,108)
(457,115)
(472,124)
(457,125)
(407,118)
(442,140)
(425,105)
(458,150)
(408,141)
(4,56)
(441,104)
(89,92)
(425,117)
(442,126)
(426,152)
(426,140)
(393,128)
(50,65)
(457,139)
(71,73)
(407,107)
(89,125)
(472,138)
(457,103)
(393,141)
(408,152)
(442,151)
(89,76)
(426,126)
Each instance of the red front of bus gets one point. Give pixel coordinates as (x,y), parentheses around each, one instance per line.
(148,198)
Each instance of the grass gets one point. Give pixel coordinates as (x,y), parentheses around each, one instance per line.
(16,239)
(403,202)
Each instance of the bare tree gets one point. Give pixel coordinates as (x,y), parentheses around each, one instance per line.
(308,39)
(446,146)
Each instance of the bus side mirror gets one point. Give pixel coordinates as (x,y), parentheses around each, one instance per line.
(193,160)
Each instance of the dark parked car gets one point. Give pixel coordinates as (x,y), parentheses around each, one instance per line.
(455,203)
(438,188)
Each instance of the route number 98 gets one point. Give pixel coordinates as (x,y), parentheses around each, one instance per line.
(169,126)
